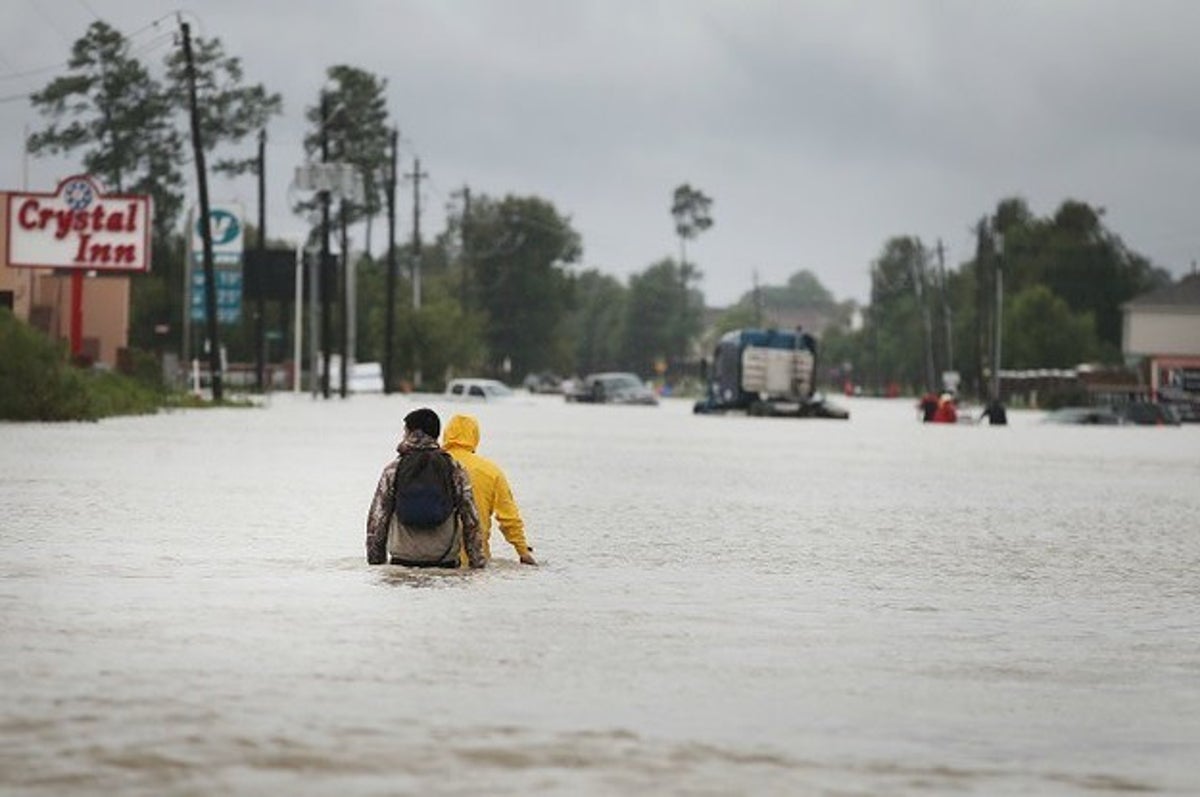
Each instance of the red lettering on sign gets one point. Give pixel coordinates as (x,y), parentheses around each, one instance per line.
(81,252)
(27,215)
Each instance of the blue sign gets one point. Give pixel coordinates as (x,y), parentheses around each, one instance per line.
(229,294)
(228,234)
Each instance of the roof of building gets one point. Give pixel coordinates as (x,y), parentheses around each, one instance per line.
(1185,293)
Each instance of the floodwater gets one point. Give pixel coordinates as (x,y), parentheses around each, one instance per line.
(726,605)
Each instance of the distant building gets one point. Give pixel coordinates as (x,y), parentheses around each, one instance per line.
(1161,336)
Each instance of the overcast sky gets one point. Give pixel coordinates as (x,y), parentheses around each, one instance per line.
(819,129)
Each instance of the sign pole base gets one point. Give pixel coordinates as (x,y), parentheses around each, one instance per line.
(76,313)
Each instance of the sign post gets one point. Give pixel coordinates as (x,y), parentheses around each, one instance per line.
(80,228)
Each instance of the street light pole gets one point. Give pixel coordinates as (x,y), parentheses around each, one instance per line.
(322,267)
(999,315)
(347,303)
(416,176)
(390,324)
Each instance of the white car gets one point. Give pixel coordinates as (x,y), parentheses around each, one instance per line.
(478,390)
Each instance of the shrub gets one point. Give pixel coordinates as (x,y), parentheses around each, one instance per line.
(38,383)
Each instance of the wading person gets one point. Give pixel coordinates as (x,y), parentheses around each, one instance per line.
(946,412)
(423,513)
(995,413)
(493,496)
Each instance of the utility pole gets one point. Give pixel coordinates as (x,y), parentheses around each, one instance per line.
(416,175)
(465,297)
(210,282)
(326,283)
(260,308)
(758,302)
(916,268)
(999,268)
(873,321)
(389,334)
(947,318)
(982,314)
(347,302)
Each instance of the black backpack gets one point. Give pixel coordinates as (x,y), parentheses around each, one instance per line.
(424,489)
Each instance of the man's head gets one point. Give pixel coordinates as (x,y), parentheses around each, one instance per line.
(424,419)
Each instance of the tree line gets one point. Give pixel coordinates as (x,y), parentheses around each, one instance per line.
(1062,279)
(502,292)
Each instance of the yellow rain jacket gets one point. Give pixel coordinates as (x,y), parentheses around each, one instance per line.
(493,497)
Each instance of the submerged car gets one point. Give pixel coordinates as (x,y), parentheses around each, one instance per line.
(1145,413)
(478,389)
(1139,413)
(612,387)
(544,382)
(1094,416)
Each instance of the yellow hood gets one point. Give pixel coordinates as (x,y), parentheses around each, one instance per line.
(462,431)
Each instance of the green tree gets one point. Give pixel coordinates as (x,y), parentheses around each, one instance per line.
(594,325)
(692,211)
(521,248)
(1041,331)
(351,117)
(741,315)
(803,289)
(1077,258)
(660,322)
(229,108)
(895,321)
(109,107)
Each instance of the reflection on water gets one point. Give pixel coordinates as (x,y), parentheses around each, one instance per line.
(726,605)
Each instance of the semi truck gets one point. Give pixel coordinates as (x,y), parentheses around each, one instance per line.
(765,372)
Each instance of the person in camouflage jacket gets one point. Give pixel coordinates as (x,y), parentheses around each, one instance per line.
(421,429)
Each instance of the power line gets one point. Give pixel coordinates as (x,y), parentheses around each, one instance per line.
(40,11)
(150,46)
(31,72)
(15,97)
(88,8)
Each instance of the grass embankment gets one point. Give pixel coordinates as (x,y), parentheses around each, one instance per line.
(39,383)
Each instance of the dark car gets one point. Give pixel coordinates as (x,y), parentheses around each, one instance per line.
(1096,416)
(612,387)
(1185,405)
(1144,413)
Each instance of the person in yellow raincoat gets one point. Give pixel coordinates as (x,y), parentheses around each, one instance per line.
(493,496)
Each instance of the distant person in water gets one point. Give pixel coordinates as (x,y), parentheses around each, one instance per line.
(423,512)
(928,406)
(493,496)
(946,412)
(995,413)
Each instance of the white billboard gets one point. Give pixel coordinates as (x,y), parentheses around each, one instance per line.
(79,226)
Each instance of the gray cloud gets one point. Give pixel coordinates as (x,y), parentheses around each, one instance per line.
(819,128)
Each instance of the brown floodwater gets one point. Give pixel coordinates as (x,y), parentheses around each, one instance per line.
(726,605)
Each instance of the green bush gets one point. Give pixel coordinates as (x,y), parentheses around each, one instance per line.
(144,368)
(38,383)
(113,394)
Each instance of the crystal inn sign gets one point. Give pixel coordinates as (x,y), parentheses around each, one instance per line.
(79,227)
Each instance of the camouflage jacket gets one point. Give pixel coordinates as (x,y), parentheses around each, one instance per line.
(381,505)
